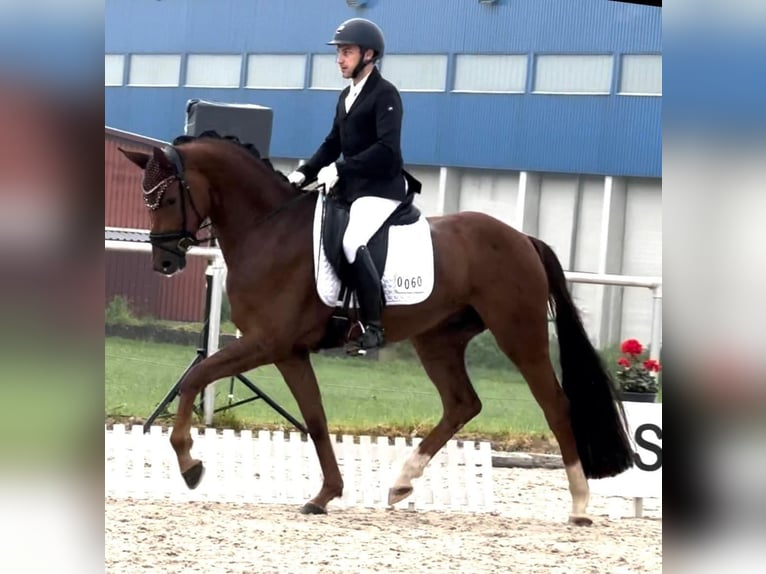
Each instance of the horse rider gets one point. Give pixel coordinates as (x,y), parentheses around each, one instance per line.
(370,177)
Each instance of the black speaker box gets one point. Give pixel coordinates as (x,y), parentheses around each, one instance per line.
(249,122)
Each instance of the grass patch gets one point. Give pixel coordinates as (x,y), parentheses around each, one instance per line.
(392,397)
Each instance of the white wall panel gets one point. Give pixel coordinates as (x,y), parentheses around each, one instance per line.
(426,72)
(573,74)
(114,69)
(642,252)
(491,73)
(489,191)
(213,70)
(588,232)
(641,74)
(587,248)
(159,70)
(558,200)
(643,228)
(280,71)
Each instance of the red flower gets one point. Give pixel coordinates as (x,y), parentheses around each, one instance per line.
(623,362)
(631,347)
(652,365)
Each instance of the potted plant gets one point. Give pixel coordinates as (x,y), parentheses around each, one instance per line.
(636,377)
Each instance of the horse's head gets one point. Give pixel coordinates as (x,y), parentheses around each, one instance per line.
(178,203)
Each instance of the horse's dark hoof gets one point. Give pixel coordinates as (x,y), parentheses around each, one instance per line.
(398,493)
(193,476)
(580,520)
(311,508)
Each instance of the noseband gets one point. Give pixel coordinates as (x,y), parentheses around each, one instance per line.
(176,242)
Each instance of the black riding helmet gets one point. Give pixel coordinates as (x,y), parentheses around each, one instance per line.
(363,33)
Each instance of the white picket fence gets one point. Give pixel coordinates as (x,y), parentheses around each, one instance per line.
(281,468)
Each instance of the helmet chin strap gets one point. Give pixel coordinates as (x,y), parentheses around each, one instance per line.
(360,66)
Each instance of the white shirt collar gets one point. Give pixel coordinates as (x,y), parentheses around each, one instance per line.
(357,88)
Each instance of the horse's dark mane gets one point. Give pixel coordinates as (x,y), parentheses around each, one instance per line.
(212,134)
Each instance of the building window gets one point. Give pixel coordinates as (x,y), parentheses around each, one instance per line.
(213,70)
(641,74)
(276,71)
(573,74)
(490,73)
(159,70)
(114,69)
(421,72)
(325,74)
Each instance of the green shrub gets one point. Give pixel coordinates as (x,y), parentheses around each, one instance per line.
(483,352)
(227,419)
(118,310)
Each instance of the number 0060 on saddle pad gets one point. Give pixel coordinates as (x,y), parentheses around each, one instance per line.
(409,273)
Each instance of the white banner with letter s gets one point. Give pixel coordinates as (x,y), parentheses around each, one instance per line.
(644,479)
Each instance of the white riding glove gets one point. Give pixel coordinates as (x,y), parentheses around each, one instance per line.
(328,177)
(296,177)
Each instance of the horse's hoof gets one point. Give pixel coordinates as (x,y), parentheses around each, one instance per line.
(311,508)
(581,520)
(398,493)
(193,476)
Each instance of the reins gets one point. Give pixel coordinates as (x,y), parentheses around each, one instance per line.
(303,192)
(283,206)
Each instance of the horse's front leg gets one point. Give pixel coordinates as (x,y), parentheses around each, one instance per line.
(299,376)
(240,356)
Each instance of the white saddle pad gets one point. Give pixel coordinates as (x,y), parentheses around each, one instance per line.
(409,273)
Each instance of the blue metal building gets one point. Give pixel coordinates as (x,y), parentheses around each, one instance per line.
(599,131)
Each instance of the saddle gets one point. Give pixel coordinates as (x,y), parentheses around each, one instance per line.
(334,226)
(334,223)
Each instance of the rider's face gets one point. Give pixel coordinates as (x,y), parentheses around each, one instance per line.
(348,58)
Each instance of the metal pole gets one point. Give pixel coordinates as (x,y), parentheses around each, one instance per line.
(654,343)
(216,270)
(134,246)
(609,279)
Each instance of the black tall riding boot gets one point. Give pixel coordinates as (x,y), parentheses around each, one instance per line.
(370,298)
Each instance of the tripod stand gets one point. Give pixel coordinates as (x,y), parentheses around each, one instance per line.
(202,353)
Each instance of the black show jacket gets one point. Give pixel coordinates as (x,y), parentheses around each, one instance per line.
(368,137)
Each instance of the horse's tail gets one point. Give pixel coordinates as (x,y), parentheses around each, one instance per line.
(597,417)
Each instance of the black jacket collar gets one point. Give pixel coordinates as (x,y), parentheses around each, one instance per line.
(369,86)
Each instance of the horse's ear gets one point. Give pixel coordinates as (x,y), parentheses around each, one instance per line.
(162,160)
(137,157)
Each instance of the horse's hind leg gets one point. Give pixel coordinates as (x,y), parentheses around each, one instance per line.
(525,342)
(546,390)
(442,352)
(299,376)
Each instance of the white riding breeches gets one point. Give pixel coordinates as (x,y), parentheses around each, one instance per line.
(366,216)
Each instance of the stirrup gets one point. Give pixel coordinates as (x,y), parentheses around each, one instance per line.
(372,337)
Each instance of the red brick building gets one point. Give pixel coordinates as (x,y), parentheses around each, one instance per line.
(180,298)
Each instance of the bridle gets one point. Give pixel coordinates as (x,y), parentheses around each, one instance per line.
(179,242)
(175,242)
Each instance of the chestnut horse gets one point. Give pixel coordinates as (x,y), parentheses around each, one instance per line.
(487,276)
